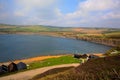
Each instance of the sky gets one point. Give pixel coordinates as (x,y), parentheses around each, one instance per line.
(63,13)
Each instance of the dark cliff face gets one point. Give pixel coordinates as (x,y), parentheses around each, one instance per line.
(105,41)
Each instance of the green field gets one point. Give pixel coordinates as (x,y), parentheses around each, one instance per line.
(106,36)
(31,28)
(68,59)
(54,61)
(39,28)
(112,33)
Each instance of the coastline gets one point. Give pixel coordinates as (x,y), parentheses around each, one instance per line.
(40,58)
(106,42)
(33,59)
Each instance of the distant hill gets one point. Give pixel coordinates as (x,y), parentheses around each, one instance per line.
(31,28)
(39,28)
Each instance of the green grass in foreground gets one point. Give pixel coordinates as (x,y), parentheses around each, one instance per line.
(54,61)
(49,62)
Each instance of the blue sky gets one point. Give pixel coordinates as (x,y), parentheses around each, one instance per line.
(68,6)
(72,13)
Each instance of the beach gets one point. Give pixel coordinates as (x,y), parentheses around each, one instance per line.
(27,74)
(40,58)
(33,59)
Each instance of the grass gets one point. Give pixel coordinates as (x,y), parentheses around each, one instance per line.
(107,68)
(54,61)
(114,50)
(107,36)
(113,35)
(30,28)
(48,62)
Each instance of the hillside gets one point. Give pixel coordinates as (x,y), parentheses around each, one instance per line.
(39,28)
(107,68)
(106,36)
(31,28)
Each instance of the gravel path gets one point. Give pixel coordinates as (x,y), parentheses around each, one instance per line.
(31,73)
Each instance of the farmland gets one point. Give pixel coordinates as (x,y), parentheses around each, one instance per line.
(106,36)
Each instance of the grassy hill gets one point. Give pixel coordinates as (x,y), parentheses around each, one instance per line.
(107,68)
(39,28)
(106,36)
(30,28)
(63,31)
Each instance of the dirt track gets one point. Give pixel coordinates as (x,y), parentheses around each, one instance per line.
(29,74)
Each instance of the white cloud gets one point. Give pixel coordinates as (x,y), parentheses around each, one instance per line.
(90,12)
(29,5)
(88,6)
(58,12)
(36,3)
(46,12)
(112,15)
(18,13)
(37,8)
(3,16)
(96,5)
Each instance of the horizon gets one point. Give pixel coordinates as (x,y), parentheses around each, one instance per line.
(61,13)
(19,25)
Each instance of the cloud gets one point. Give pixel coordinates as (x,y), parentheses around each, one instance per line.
(38,6)
(46,12)
(36,3)
(37,10)
(93,12)
(3,16)
(99,5)
(112,15)
(29,12)
(20,14)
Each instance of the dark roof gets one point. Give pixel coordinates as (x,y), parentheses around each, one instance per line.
(12,67)
(93,56)
(3,69)
(21,66)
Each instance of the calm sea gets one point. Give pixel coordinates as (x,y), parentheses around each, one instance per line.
(14,46)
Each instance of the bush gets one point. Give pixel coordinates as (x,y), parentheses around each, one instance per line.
(107,68)
(109,52)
